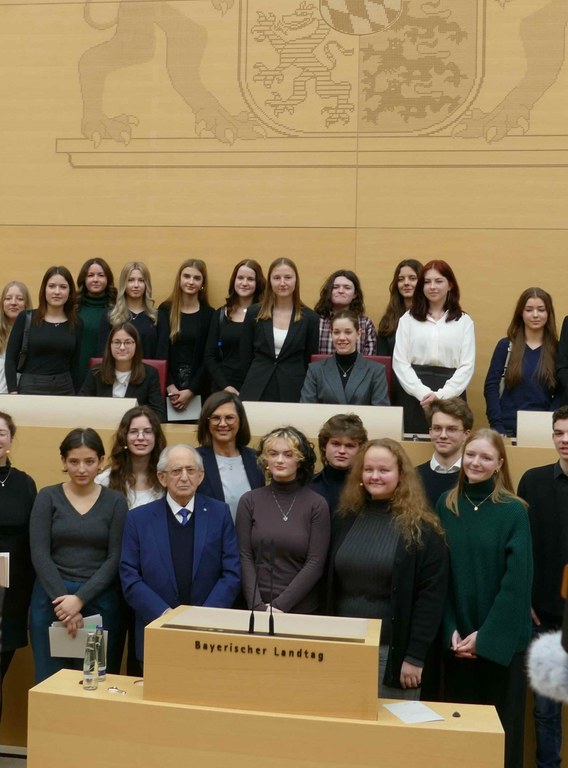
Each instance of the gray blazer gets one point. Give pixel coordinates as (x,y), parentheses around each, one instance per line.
(367,384)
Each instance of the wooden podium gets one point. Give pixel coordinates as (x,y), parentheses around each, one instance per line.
(196,671)
(313,665)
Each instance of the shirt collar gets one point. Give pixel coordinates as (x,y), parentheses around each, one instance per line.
(558,471)
(435,466)
(175,507)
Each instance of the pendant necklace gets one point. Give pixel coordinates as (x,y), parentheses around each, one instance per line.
(345,371)
(3,482)
(285,515)
(476,506)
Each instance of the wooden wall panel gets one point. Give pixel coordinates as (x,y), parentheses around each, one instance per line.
(232,128)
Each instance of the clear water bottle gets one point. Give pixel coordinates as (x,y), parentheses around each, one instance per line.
(101,653)
(90,682)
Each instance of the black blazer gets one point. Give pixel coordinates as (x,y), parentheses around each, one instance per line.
(418,596)
(211,484)
(148,392)
(289,368)
(367,384)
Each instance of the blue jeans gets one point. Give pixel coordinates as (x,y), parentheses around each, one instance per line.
(547,719)
(108,604)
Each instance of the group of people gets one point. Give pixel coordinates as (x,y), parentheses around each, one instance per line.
(264,343)
(443,554)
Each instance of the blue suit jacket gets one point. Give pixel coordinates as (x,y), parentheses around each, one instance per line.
(146,566)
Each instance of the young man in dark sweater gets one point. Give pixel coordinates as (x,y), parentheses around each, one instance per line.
(450,422)
(545,489)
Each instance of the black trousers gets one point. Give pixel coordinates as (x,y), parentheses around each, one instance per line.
(479,681)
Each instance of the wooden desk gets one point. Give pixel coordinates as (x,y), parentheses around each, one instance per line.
(98,728)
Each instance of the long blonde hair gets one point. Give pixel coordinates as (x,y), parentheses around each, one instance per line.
(120,312)
(5,326)
(503,490)
(409,505)
(267,305)
(175,298)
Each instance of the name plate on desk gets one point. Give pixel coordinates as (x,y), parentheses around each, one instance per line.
(313,665)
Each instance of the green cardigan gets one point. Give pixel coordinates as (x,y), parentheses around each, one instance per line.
(490,573)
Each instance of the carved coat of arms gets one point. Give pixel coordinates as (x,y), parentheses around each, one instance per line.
(378,67)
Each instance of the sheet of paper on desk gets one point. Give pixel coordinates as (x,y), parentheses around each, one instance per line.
(413,712)
(4,569)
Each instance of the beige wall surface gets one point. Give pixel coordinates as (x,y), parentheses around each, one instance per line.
(309,128)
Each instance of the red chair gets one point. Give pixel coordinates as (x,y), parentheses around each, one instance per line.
(383,359)
(160,365)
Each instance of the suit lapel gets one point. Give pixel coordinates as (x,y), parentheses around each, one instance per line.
(269,333)
(333,378)
(201,525)
(162,540)
(355,379)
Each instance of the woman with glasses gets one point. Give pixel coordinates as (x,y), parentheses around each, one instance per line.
(132,471)
(123,374)
(223,433)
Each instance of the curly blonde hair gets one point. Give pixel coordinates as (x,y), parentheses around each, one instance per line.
(409,505)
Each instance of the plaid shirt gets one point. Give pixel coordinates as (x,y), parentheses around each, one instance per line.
(366,344)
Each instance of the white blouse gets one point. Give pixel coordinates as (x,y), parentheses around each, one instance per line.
(279,339)
(121,382)
(134,498)
(434,342)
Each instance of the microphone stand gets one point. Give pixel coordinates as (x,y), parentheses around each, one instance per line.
(257,566)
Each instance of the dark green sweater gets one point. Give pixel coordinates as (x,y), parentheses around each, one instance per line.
(490,573)
(91,312)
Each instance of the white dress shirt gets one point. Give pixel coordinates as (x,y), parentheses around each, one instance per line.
(434,342)
(175,507)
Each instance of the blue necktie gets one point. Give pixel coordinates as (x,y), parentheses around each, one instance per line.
(184,515)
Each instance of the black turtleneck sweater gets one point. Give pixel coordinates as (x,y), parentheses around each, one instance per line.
(364,566)
(345,365)
(300,545)
(329,484)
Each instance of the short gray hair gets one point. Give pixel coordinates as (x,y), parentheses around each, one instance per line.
(165,455)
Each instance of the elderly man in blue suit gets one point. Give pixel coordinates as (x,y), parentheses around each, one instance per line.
(181,549)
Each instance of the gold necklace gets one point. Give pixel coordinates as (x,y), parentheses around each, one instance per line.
(476,506)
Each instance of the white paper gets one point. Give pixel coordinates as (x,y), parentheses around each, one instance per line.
(413,712)
(190,413)
(4,569)
(62,644)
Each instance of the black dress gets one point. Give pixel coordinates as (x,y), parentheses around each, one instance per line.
(186,354)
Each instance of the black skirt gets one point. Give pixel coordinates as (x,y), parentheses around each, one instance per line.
(432,376)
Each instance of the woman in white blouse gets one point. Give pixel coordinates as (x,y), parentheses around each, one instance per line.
(434,352)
